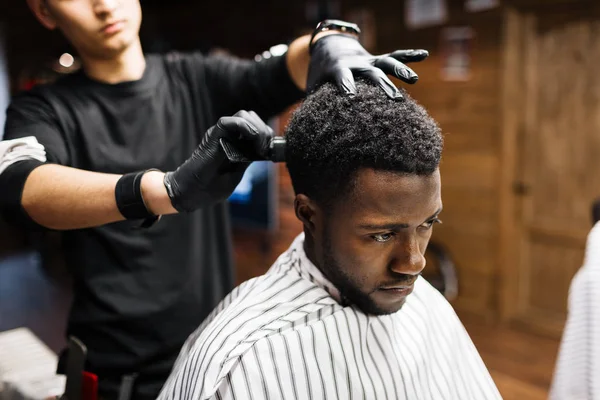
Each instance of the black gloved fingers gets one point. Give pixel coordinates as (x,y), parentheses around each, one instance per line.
(236,128)
(247,126)
(344,80)
(251,117)
(257,121)
(378,77)
(397,69)
(406,56)
(266,134)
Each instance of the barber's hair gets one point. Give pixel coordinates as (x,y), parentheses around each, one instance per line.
(331,136)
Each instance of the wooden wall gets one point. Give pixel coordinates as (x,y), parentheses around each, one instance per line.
(551,119)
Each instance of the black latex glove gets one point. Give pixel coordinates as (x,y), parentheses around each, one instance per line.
(208,177)
(339,58)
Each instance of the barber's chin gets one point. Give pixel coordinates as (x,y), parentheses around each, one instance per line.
(117,43)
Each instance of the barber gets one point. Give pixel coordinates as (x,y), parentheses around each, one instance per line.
(102,154)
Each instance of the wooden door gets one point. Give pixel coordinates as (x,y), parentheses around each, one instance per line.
(550,159)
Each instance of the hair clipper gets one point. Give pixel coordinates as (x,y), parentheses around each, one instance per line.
(276,152)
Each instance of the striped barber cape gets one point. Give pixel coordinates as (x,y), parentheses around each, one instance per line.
(285,335)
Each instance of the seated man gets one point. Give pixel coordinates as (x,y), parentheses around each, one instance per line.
(343,314)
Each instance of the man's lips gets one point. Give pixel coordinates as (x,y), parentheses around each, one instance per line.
(402,289)
(113,27)
(400,285)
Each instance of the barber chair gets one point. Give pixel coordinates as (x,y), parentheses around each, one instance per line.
(596,211)
(441,270)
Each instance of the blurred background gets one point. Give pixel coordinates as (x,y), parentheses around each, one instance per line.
(516,89)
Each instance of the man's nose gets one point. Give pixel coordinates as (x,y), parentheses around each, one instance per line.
(104,7)
(408,257)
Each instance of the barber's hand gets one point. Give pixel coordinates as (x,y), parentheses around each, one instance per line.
(208,177)
(339,58)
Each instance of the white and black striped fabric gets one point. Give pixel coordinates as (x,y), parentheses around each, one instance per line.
(577,372)
(284,335)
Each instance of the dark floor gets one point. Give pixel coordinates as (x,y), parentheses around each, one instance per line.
(520,363)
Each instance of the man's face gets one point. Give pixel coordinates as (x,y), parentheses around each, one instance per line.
(371,245)
(96,28)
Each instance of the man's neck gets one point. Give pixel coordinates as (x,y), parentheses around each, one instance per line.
(127,66)
(309,250)
(323,279)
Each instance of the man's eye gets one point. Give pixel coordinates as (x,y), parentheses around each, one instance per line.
(429,224)
(382,237)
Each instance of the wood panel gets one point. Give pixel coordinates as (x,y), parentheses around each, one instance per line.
(552,126)
(457,139)
(469,170)
(463,204)
(549,277)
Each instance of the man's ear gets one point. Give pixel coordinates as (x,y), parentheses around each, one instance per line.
(42,13)
(307,212)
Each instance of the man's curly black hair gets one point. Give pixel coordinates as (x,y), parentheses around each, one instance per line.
(330,136)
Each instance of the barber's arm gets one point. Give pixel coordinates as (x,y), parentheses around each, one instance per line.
(60,197)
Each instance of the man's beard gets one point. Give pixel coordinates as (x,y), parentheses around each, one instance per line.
(345,283)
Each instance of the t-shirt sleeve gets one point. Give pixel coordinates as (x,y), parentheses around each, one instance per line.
(262,86)
(33,118)
(30,114)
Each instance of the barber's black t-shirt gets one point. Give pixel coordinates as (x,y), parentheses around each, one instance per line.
(138,293)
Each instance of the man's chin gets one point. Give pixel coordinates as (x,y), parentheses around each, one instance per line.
(376,309)
(372,306)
